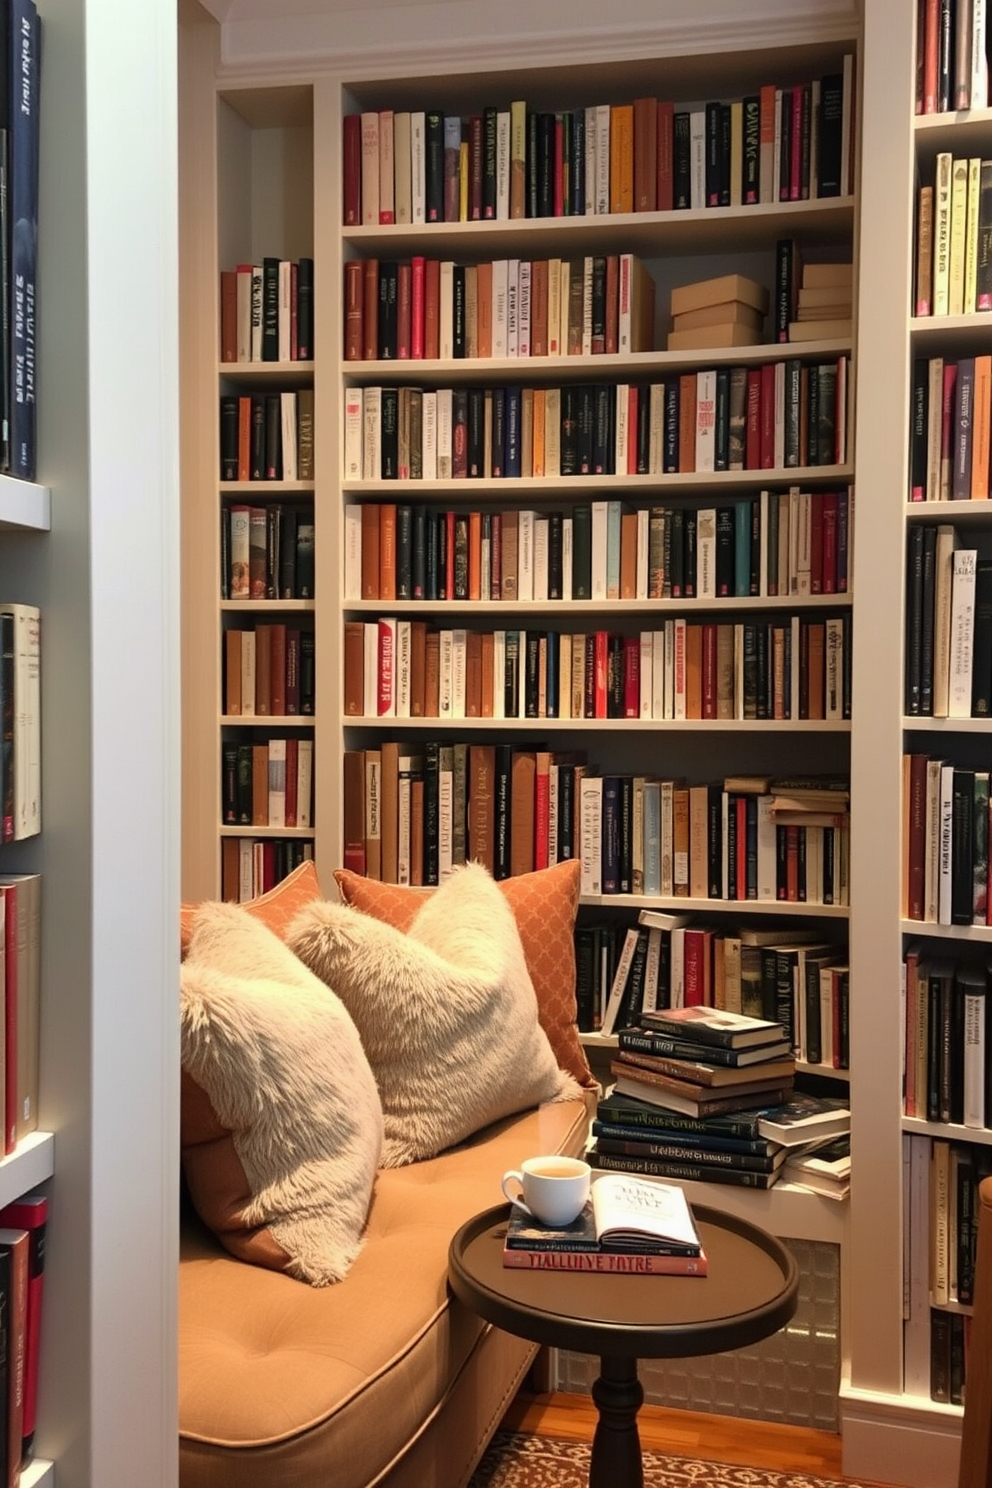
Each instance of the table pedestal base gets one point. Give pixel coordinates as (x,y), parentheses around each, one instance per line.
(616,1447)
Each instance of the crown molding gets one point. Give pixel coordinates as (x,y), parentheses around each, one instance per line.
(393,37)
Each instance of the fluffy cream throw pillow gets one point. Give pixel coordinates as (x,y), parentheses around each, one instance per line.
(281,1120)
(446,1012)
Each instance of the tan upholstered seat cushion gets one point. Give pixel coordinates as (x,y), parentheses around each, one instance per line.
(544,906)
(446,1011)
(279,1383)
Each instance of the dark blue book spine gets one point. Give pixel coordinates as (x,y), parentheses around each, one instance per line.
(24,233)
(513,431)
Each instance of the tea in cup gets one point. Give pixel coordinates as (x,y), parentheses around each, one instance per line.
(552,1189)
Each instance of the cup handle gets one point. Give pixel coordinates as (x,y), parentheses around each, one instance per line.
(515,1198)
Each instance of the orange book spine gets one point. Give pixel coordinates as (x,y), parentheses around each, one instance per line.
(354,310)
(387,550)
(370,311)
(475,555)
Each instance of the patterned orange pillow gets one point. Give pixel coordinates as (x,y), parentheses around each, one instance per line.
(544,905)
(275,908)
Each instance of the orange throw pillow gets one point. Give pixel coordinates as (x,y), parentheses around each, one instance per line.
(544,905)
(275,908)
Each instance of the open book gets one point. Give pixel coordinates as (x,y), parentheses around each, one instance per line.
(624,1214)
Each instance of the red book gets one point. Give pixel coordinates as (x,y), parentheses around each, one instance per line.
(816,544)
(30,1213)
(277,664)
(352,171)
(292,779)
(752,445)
(694,955)
(915,828)
(829,503)
(931,46)
(404,306)
(631,677)
(542,809)
(17,1245)
(244,437)
(370,311)
(645,154)
(387,661)
(767,460)
(601,668)
(10,1017)
(666,132)
(792,863)
(432,308)
(354,323)
(418,270)
(947,425)
(709,686)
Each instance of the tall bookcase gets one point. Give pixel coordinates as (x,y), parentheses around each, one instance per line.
(269,76)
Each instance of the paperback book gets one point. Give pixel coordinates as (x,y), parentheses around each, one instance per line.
(719,1026)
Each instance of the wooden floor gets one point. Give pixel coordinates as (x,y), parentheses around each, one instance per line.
(688,1434)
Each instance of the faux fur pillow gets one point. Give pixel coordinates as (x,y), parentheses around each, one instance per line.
(281,1124)
(446,1012)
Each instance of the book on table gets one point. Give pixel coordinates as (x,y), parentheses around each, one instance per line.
(628,1224)
(719,1026)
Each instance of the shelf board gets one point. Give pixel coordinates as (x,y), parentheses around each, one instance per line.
(585,368)
(24,506)
(245,606)
(947,725)
(273,374)
(784,1209)
(921,928)
(670,904)
(31,1162)
(267,720)
(262,490)
(557,486)
(38,1474)
(598,725)
(951,1130)
(788,602)
(965,131)
(950,511)
(698,230)
(934,333)
(305,833)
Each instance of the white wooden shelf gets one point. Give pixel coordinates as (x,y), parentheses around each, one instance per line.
(247,606)
(951,511)
(947,725)
(597,725)
(745,603)
(267,720)
(31,1162)
(923,928)
(949,1130)
(24,506)
(671,904)
(595,486)
(38,1474)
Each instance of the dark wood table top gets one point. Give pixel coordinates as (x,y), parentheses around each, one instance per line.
(750,1292)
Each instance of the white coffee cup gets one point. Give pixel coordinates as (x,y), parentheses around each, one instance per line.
(551,1189)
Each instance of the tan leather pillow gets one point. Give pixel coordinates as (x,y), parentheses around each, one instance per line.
(281,1123)
(544,906)
(275,908)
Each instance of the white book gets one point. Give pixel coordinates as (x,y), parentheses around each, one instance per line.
(403,790)
(766,850)
(20,627)
(512,306)
(668,712)
(387,168)
(277,783)
(402,667)
(446,643)
(372,433)
(795,660)
(445,310)
(826,1016)
(590,834)
(503,165)
(621,433)
(979,60)
(697,158)
(444,433)
(248,672)
(706,553)
(540,586)
(525,555)
(931,839)
(304,784)
(287,413)
(523,327)
(373,796)
(402,178)
(945,821)
(592,157)
(602,195)
(620,977)
(641,571)
(240,552)
(942,233)
(371,671)
(284,314)
(676,955)
(940,1214)
(246,870)
(417,167)
(354,434)
(459,655)
(646,674)
(428,435)
(834,670)
(565,675)
(501,285)
(352,551)
(256,312)
(962,632)
(667,793)
(706,420)
(370,168)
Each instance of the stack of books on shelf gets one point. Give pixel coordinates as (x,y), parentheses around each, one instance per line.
(729,310)
(824,302)
(629,1225)
(267,436)
(822,1167)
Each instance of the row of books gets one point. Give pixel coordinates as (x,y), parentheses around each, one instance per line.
(777,543)
(23,1241)
(670,961)
(19,315)
(267,784)
(775,416)
(268,671)
(953,223)
(428,308)
(949,453)
(267,311)
(784,669)
(250,866)
(266,552)
(643,155)
(20,721)
(267,436)
(952,62)
(946,836)
(948,625)
(947,1066)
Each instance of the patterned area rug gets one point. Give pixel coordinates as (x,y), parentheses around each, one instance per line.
(518,1460)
